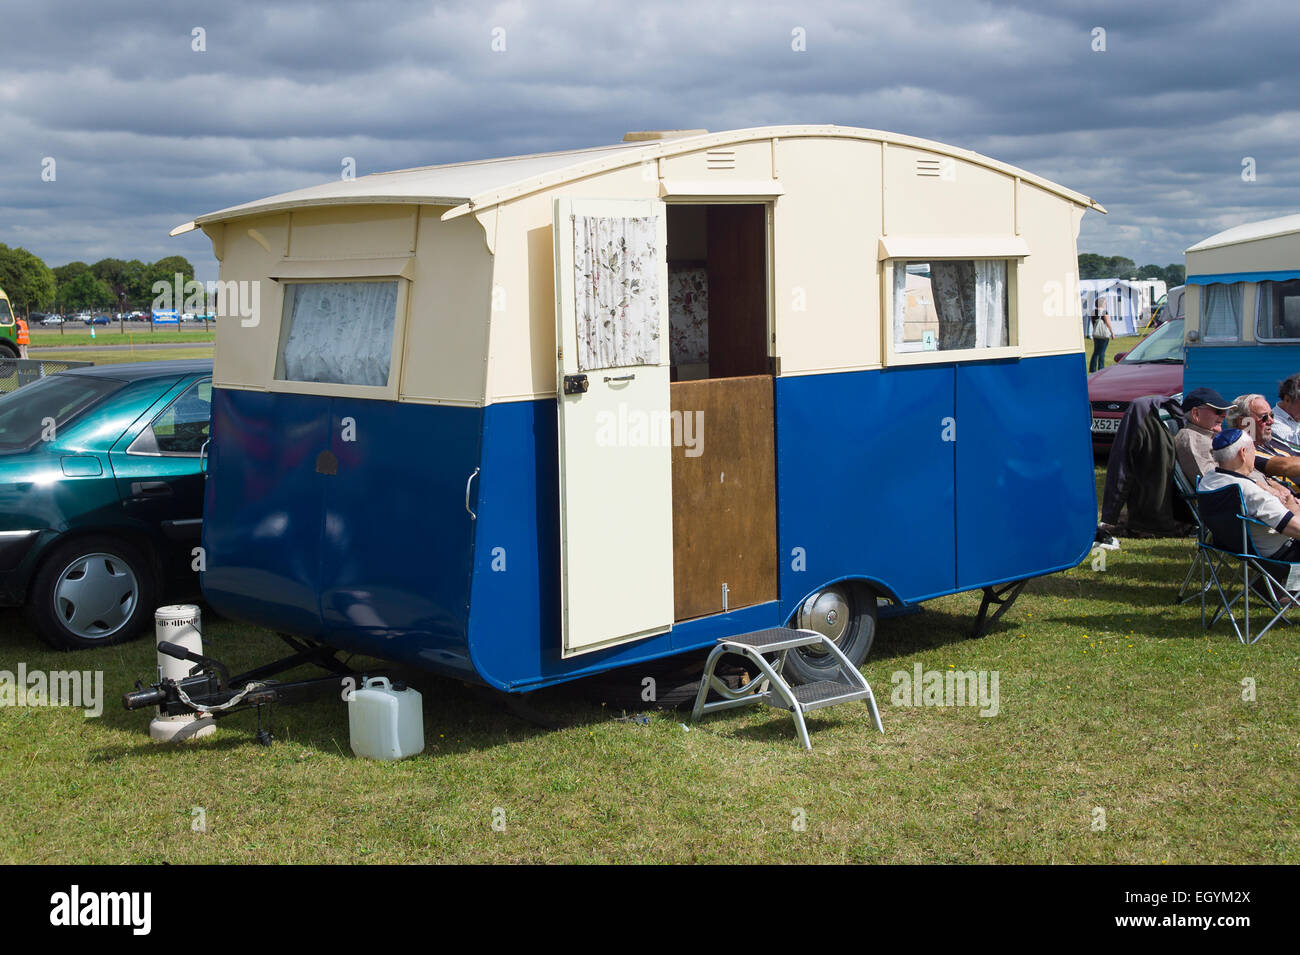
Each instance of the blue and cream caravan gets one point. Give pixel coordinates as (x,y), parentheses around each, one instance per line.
(520,420)
(1243,308)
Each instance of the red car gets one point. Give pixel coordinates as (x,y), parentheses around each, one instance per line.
(1154,367)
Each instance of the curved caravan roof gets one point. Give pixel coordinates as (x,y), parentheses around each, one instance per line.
(474,245)
(474,185)
(1245,251)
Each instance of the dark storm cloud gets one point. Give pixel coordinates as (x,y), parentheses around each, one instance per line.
(147,133)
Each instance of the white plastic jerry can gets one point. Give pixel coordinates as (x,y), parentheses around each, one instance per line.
(385,723)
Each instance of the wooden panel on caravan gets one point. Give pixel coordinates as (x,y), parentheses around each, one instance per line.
(724,495)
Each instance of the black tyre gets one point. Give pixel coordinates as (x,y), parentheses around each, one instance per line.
(92,592)
(844,612)
(8,349)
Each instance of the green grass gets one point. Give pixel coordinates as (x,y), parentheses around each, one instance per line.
(1110,696)
(111,335)
(115,356)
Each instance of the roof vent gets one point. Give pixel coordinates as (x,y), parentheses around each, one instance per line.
(645,135)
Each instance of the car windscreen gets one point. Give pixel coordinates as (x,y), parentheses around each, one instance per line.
(40,409)
(6,316)
(1165,344)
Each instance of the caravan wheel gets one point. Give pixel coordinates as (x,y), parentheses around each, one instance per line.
(846,614)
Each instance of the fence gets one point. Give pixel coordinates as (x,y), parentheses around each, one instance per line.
(16,372)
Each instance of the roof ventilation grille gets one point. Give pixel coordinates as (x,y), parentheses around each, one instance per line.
(720,159)
(929,168)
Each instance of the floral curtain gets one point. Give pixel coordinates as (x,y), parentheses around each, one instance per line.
(688,315)
(338,332)
(616,291)
(954,301)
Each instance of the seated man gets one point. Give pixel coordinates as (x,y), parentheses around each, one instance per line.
(1286,415)
(1205,410)
(1234,455)
(1275,458)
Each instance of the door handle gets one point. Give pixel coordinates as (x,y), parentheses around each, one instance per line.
(472,515)
(621,378)
(144,490)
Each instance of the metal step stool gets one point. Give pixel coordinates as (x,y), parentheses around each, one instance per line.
(771,688)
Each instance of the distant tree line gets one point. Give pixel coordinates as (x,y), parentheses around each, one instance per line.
(33,286)
(1093,266)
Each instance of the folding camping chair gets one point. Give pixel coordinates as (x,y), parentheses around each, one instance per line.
(1228,539)
(1185,491)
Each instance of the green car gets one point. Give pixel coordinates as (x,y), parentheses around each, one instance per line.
(101,495)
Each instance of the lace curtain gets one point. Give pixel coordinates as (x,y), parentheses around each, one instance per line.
(970,301)
(616,291)
(338,332)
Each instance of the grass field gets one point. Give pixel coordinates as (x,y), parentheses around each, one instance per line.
(110,335)
(1110,698)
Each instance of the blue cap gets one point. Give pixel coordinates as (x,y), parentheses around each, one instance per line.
(1226,437)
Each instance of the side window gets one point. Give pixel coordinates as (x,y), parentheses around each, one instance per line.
(1221,312)
(6,316)
(950,305)
(337,332)
(1277,310)
(182,427)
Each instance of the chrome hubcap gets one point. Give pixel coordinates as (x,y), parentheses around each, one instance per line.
(827,613)
(95,595)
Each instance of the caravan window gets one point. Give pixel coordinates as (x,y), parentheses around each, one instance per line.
(1277,311)
(951,305)
(1221,312)
(337,332)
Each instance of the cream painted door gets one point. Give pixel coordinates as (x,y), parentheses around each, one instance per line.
(616,528)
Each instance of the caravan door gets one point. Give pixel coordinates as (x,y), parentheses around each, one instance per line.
(615,433)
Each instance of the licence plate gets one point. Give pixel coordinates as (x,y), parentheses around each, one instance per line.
(1105,425)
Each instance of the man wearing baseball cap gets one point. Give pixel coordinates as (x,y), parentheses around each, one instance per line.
(1205,410)
(1234,457)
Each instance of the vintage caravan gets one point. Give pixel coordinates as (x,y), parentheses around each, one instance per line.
(521,420)
(1243,308)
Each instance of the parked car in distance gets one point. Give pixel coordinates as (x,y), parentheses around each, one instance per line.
(51,320)
(1153,367)
(101,495)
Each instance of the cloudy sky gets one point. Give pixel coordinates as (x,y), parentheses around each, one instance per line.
(146,132)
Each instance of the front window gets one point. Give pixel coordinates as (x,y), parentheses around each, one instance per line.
(1221,312)
(6,316)
(337,332)
(39,410)
(950,305)
(1277,311)
(182,428)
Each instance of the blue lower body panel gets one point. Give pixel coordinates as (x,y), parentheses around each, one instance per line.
(1234,370)
(925,480)
(368,549)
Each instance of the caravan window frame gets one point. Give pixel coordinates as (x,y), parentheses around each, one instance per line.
(893,356)
(331,389)
(1265,287)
